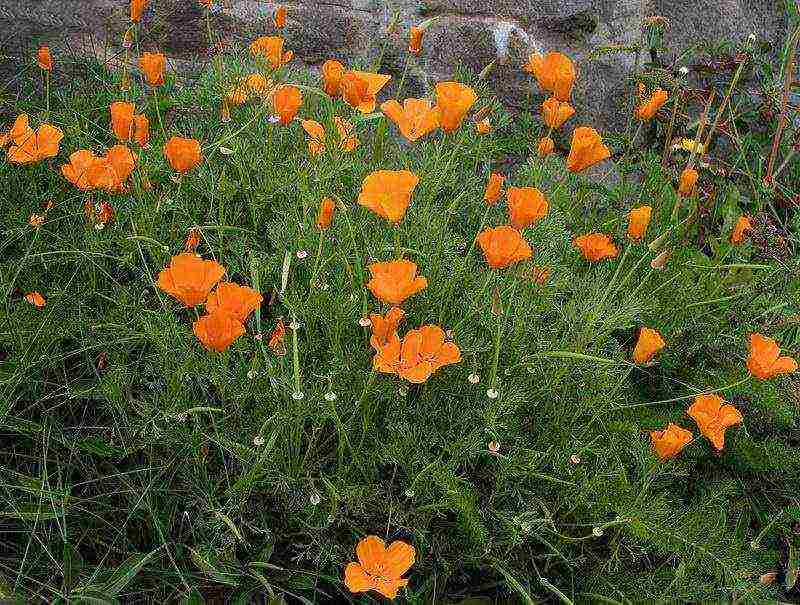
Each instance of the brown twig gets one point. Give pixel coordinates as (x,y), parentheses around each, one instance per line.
(788,78)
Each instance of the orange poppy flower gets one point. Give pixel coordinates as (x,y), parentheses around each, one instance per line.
(234,300)
(122,119)
(596,246)
(141,130)
(280,17)
(526,205)
(192,240)
(648,344)
(647,110)
(388,193)
(189,278)
(587,149)
(545,147)
(87,171)
(425,351)
(44,59)
(555,72)
(493,188)
(638,221)
(483,127)
(19,132)
(325,214)
(332,72)
(454,101)
(36,220)
(277,339)
(503,246)
(28,146)
(271,49)
(713,416)
(316,136)
(687,182)
(359,89)
(379,568)
(415,40)
(153,65)
(122,161)
(183,154)
(217,331)
(414,118)
(36,299)
(669,442)
(555,112)
(385,326)
(765,361)
(286,102)
(743,225)
(394,281)
(137,8)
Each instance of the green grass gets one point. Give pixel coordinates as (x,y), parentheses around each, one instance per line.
(139,479)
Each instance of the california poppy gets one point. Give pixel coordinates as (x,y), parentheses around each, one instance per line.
(503,246)
(454,101)
(483,127)
(122,161)
(638,221)
(271,49)
(279,19)
(650,108)
(44,59)
(141,130)
(493,188)
(555,73)
(414,118)
(28,146)
(153,65)
(526,205)
(596,246)
(235,300)
(217,331)
(316,136)
(415,39)
(19,132)
(587,149)
(122,119)
(137,8)
(87,171)
(648,344)
(189,278)
(555,112)
(183,154)
(286,102)
(388,193)
(669,442)
(36,299)
(384,326)
(332,72)
(424,352)
(713,416)
(394,281)
(325,214)
(379,568)
(545,147)
(740,230)
(765,361)
(359,89)
(687,182)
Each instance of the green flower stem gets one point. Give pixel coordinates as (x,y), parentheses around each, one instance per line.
(296,357)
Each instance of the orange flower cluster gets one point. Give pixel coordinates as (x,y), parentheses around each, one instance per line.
(26,146)
(88,172)
(417,356)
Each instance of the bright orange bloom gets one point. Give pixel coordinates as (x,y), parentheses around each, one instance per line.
(192,240)
(87,171)
(555,72)
(189,278)
(44,59)
(483,127)
(36,220)
(555,112)
(493,188)
(765,361)
(713,416)
(28,146)
(325,214)
(122,119)
(271,49)
(647,110)
(207,3)
(503,246)
(141,130)
(379,568)
(316,136)
(587,149)
(648,344)
(388,193)
(687,182)
(122,161)
(183,154)
(454,101)
(36,299)
(286,102)
(669,442)
(415,40)
(743,225)
(137,8)
(545,147)
(280,17)
(415,117)
(19,132)
(234,300)
(421,353)
(153,65)
(384,327)
(394,281)
(347,139)
(638,221)
(596,246)
(332,72)
(217,331)
(526,205)
(359,89)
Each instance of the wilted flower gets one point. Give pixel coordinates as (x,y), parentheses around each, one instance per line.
(483,127)
(279,19)
(545,147)
(687,182)
(415,40)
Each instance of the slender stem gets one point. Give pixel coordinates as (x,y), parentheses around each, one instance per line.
(787,86)
(47,94)
(317,261)
(158,111)
(295,356)
(496,353)
(398,250)
(676,103)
